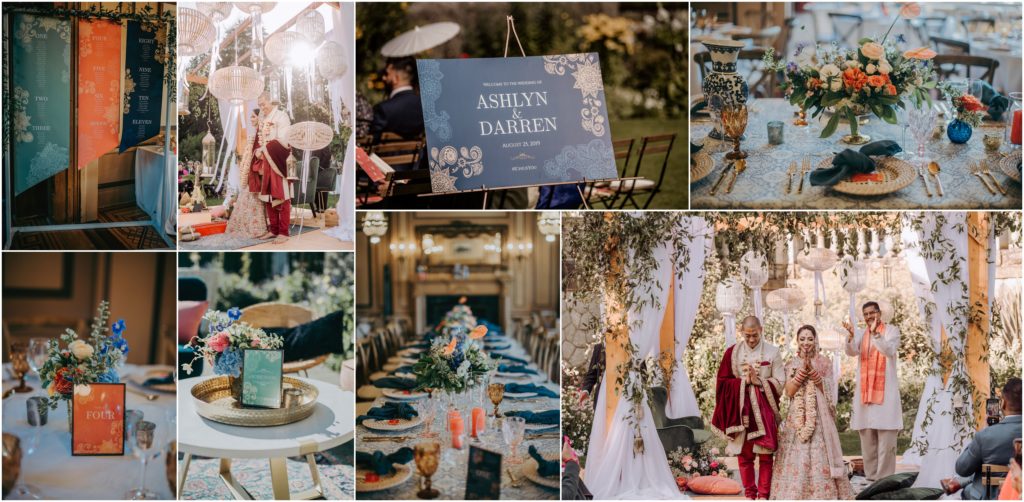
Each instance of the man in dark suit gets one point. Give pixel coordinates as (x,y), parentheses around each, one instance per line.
(591,383)
(402,112)
(992,445)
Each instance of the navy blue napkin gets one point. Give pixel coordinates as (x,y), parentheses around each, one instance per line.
(549,417)
(521,388)
(389,411)
(996,103)
(546,468)
(166,379)
(515,368)
(508,358)
(849,162)
(402,369)
(395,383)
(383,464)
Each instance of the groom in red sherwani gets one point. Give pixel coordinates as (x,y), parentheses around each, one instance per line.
(747,393)
(270,163)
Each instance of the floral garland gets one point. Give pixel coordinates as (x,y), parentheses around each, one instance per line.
(805,408)
(95,360)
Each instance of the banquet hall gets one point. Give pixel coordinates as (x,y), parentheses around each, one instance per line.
(108,318)
(940,80)
(457,355)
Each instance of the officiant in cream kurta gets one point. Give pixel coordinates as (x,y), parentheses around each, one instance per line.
(877,413)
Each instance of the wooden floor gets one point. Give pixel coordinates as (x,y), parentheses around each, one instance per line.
(313,240)
(103,239)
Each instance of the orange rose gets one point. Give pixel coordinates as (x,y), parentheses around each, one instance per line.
(971,104)
(450,348)
(891,89)
(919,53)
(854,78)
(814,83)
(910,10)
(478,332)
(876,81)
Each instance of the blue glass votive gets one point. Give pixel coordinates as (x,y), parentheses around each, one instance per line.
(775,132)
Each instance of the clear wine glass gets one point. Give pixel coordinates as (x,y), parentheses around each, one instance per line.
(513,429)
(428,411)
(921,122)
(38,353)
(147,442)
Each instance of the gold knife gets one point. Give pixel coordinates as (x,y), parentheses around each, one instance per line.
(725,171)
(803,173)
(373,439)
(789,176)
(739,166)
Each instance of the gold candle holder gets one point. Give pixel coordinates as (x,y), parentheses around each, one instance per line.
(734,123)
(496,392)
(801,117)
(19,365)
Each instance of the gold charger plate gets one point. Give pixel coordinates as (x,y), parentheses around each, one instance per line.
(402,474)
(385,425)
(529,471)
(213,401)
(701,167)
(1008,165)
(897,174)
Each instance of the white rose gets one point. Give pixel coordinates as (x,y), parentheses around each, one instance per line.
(852,64)
(828,71)
(81,350)
(870,69)
(884,67)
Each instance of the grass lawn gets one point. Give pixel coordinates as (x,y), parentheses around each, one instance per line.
(675,189)
(850,442)
(332,200)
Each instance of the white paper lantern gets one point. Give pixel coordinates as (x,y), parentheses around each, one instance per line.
(196,32)
(853,274)
(786,301)
(331,60)
(282,47)
(754,271)
(236,84)
(831,340)
(217,12)
(310,24)
(729,301)
(255,7)
(310,135)
(818,260)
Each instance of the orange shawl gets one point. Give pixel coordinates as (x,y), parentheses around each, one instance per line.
(872,369)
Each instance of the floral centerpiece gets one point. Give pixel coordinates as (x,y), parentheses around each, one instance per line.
(460,317)
(699,460)
(876,77)
(75,361)
(224,342)
(455,361)
(969,111)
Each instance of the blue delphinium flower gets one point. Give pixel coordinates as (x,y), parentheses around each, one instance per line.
(110,376)
(799,48)
(118,327)
(234,313)
(791,67)
(900,39)
(229,362)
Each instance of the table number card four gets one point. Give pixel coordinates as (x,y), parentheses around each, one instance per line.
(97,426)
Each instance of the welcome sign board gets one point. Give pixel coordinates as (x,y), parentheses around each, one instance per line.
(511,122)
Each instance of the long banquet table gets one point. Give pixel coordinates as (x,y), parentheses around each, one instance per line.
(450,478)
(762,185)
(59,475)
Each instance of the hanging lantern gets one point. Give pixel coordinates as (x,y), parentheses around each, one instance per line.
(854,276)
(236,84)
(754,271)
(282,47)
(550,225)
(729,301)
(331,60)
(375,225)
(195,32)
(310,24)
(785,301)
(209,152)
(818,260)
(256,10)
(833,341)
(217,12)
(308,137)
(887,263)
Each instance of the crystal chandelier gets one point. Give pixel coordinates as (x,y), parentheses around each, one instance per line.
(375,225)
(550,225)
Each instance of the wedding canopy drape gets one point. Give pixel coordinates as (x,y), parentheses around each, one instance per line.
(613,470)
(941,243)
(681,400)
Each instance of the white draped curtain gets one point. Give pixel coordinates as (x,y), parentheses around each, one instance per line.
(681,400)
(613,470)
(942,435)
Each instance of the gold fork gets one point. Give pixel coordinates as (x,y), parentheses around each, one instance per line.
(789,176)
(804,166)
(995,182)
(739,167)
(976,170)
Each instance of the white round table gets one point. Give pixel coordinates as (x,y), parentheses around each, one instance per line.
(331,424)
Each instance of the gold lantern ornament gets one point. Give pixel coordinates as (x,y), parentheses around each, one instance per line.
(209,152)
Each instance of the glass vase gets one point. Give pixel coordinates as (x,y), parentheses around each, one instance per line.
(959,131)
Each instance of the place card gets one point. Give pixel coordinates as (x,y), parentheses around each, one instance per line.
(483,479)
(97,426)
(262,371)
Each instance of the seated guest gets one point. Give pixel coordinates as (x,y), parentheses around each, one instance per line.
(572,486)
(402,112)
(1011,487)
(992,445)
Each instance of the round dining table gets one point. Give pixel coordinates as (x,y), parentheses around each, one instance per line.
(56,474)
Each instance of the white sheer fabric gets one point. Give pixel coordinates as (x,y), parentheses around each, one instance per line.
(681,401)
(942,434)
(612,470)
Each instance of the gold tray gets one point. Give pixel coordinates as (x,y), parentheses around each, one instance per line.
(896,173)
(213,401)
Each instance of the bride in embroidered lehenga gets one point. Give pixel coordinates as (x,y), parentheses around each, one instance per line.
(809,461)
(248,215)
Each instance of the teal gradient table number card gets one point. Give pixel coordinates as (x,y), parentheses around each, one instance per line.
(262,372)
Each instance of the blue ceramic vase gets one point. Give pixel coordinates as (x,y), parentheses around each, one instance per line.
(959,131)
